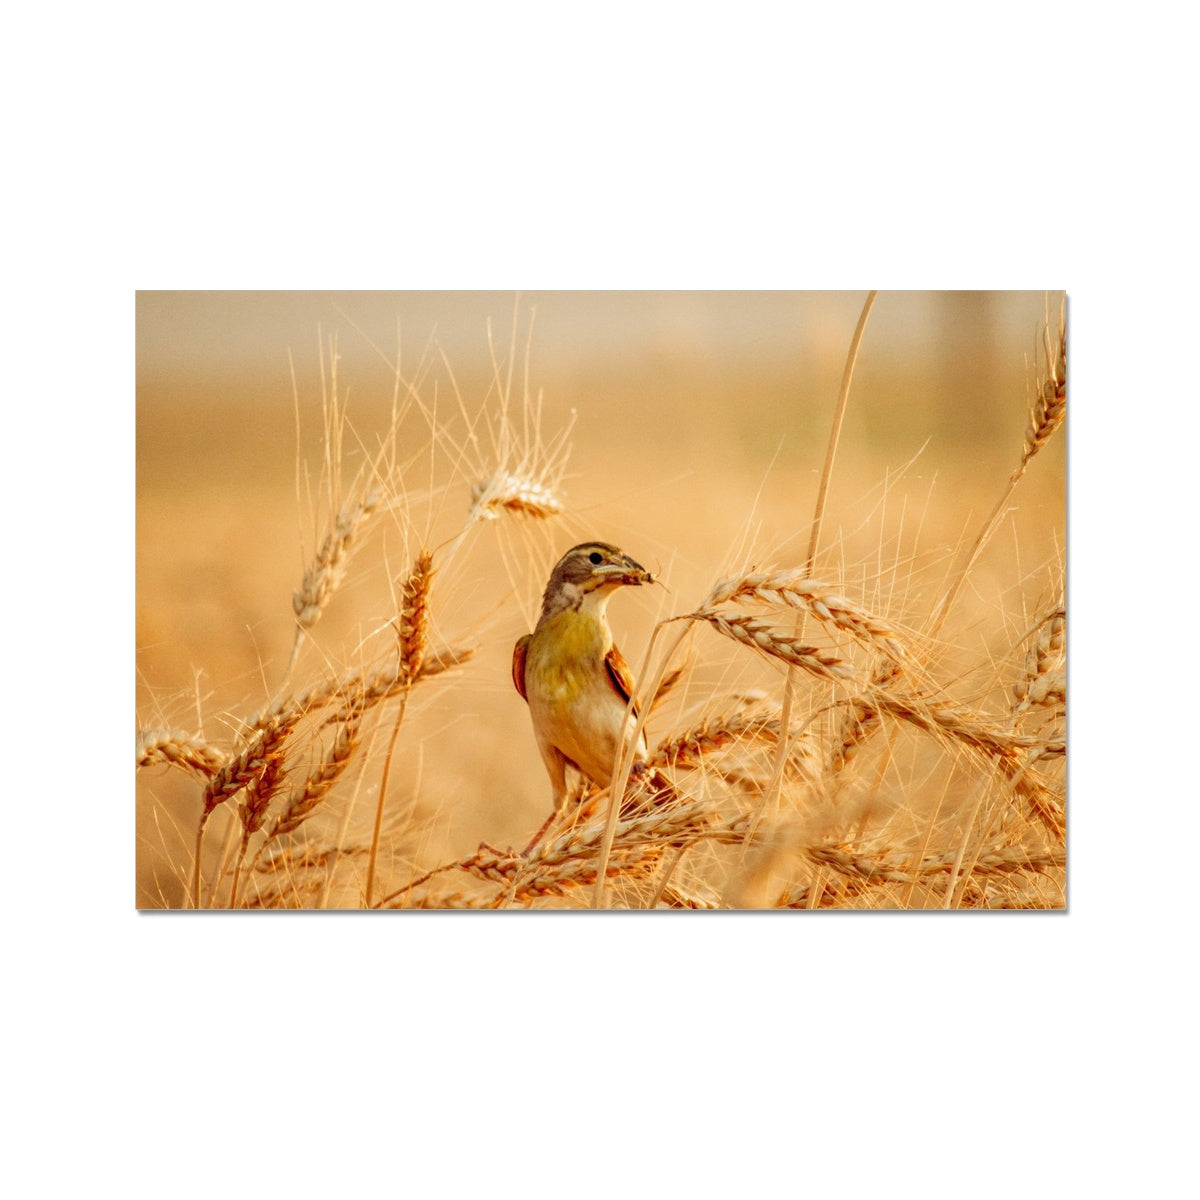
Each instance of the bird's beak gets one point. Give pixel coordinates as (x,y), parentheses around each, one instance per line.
(626,572)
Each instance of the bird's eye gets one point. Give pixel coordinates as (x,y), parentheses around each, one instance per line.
(595,558)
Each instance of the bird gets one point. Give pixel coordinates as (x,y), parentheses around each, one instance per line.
(574,678)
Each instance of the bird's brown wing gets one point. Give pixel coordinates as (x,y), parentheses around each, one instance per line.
(519,652)
(619,673)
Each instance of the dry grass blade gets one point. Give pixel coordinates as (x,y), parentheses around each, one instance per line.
(664,826)
(560,878)
(445,900)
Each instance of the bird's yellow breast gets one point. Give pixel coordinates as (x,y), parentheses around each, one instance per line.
(564,656)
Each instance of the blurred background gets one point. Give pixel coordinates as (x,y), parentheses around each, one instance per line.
(698,424)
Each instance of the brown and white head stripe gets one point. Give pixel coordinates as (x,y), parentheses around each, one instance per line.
(586,567)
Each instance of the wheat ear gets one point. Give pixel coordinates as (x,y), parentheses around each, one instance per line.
(243,769)
(1047,415)
(319,782)
(882,867)
(506,491)
(253,811)
(792,589)
(188,751)
(413,627)
(1051,404)
(761,635)
(1040,684)
(328,569)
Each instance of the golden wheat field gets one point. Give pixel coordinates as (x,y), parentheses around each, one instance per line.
(850,675)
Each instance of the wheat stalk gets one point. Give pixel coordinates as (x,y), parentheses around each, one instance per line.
(882,867)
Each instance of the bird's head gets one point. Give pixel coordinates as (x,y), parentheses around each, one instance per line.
(591,571)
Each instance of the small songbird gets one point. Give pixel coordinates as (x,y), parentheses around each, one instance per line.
(573,677)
